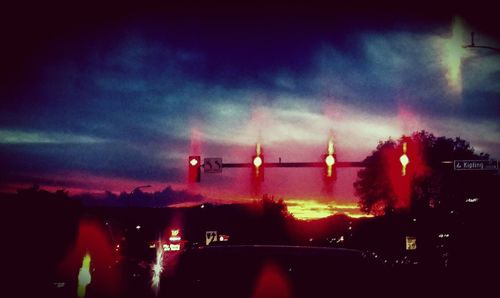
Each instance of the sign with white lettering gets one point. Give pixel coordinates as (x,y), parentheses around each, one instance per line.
(460,165)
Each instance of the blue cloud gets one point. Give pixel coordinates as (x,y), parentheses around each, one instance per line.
(138,89)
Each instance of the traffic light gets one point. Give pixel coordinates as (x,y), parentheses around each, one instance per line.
(404,160)
(330,159)
(330,169)
(194,168)
(258,164)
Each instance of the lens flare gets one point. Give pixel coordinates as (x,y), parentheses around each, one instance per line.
(157,269)
(329,159)
(330,146)
(84,277)
(257,161)
(453,55)
(404,160)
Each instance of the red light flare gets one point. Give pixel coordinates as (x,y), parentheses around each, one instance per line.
(407,120)
(272,282)
(175,225)
(330,172)
(194,150)
(93,239)
(401,178)
(257,169)
(330,158)
(196,140)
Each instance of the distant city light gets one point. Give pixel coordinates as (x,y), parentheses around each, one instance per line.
(175,247)
(138,227)
(411,243)
(472,200)
(174,235)
(223,238)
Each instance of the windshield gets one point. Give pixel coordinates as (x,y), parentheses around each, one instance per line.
(285,150)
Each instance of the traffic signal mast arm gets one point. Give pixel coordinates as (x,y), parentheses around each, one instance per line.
(340,164)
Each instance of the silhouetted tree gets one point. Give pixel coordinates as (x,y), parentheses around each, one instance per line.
(274,208)
(431,183)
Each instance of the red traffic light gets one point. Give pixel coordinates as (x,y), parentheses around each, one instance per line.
(257,161)
(329,160)
(404,160)
(258,169)
(258,164)
(193,162)
(329,166)
(194,169)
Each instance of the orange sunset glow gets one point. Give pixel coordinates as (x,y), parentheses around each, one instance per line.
(305,209)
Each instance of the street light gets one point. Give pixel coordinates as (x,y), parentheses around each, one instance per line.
(139,187)
(129,197)
(473,45)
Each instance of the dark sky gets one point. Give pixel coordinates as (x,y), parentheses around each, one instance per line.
(109,97)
